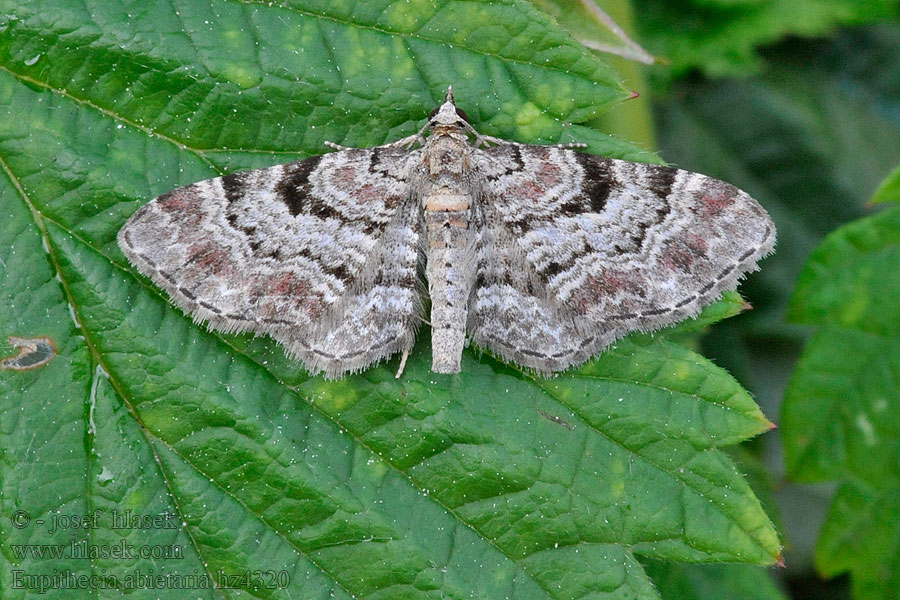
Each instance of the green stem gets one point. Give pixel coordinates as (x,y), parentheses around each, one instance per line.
(630,120)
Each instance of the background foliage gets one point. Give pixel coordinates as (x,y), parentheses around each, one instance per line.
(601,483)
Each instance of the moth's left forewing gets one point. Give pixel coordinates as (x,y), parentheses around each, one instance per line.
(627,246)
(321,254)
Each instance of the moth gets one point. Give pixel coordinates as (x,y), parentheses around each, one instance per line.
(542,254)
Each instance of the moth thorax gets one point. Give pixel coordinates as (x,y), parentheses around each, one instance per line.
(446,154)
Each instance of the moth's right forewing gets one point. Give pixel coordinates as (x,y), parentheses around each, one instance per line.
(618,246)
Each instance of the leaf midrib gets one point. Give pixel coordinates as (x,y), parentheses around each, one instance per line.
(656,386)
(38,219)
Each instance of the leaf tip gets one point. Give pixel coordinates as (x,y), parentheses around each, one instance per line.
(779,560)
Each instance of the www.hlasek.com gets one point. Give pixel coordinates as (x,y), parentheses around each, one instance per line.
(148,579)
(81,549)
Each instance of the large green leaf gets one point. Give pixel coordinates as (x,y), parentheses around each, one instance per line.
(489,484)
(840,416)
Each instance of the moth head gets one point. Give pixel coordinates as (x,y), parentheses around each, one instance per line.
(447,116)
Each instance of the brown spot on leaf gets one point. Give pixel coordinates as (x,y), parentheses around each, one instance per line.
(33,353)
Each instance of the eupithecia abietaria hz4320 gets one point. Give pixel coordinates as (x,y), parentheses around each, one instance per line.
(542,254)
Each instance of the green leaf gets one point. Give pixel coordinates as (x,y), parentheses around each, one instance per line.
(713,582)
(720,37)
(489,484)
(729,305)
(889,190)
(676,581)
(840,415)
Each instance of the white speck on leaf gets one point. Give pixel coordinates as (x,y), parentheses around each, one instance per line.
(105,475)
(98,372)
(865,426)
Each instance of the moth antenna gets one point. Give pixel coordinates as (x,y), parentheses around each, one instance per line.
(336,146)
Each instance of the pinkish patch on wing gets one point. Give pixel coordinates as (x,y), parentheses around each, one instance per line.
(549,176)
(207,257)
(696,244)
(528,190)
(288,288)
(290,285)
(677,257)
(368,194)
(713,202)
(344,177)
(607,284)
(283,284)
(681,252)
(176,201)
